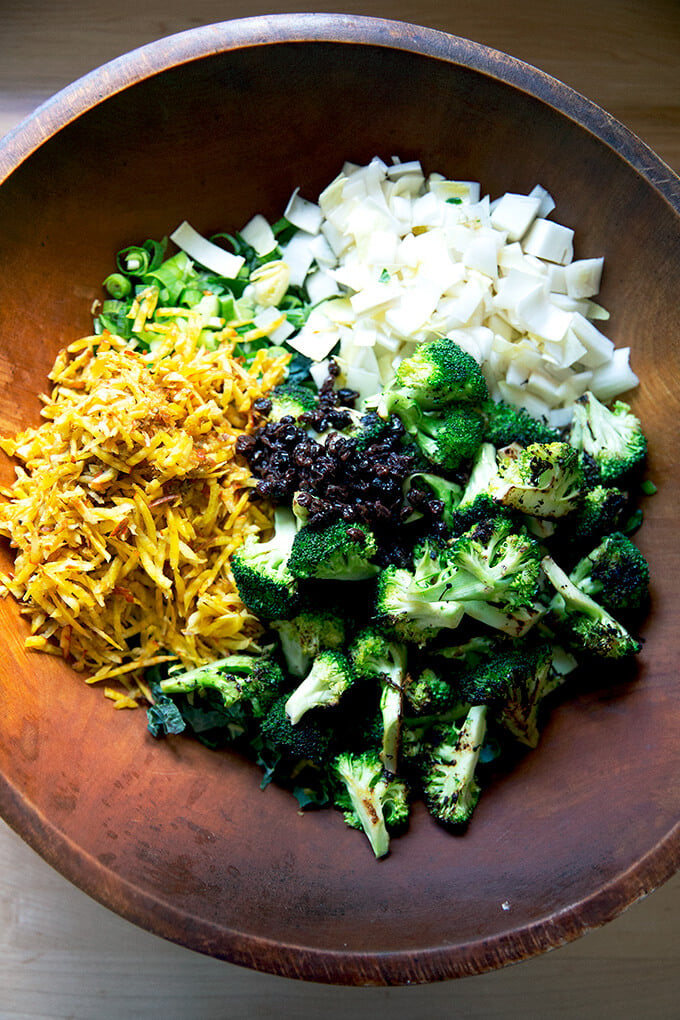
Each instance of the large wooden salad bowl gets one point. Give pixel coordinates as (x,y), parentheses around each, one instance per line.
(212,126)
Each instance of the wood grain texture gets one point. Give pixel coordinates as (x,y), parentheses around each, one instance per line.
(626,48)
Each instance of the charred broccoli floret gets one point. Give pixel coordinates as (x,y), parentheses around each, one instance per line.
(337,552)
(615,573)
(412,603)
(491,573)
(309,632)
(513,683)
(494,562)
(371,798)
(376,658)
(261,571)
(438,373)
(306,741)
(601,510)
(330,676)
(585,624)
(446,438)
(494,571)
(449,775)
(430,694)
(612,436)
(542,480)
(247,680)
(477,501)
(505,424)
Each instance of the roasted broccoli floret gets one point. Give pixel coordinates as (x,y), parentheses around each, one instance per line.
(449,774)
(542,480)
(493,571)
(430,694)
(505,424)
(247,680)
(447,438)
(495,562)
(612,436)
(615,574)
(309,632)
(584,623)
(489,681)
(438,373)
(412,604)
(601,510)
(545,669)
(371,798)
(375,657)
(300,742)
(337,552)
(261,572)
(330,676)
(513,683)
(476,501)
(289,399)
(470,651)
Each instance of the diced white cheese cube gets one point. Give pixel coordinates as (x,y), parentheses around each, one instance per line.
(337,241)
(549,241)
(320,285)
(583,277)
(481,253)
(322,251)
(560,417)
(275,324)
(522,398)
(259,235)
(319,372)
(514,214)
(298,256)
(465,191)
(541,385)
(375,297)
(427,211)
(542,317)
(413,309)
(205,252)
(315,343)
(599,348)
(547,201)
(614,378)
(398,169)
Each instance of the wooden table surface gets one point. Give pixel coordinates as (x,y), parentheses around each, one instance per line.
(64,956)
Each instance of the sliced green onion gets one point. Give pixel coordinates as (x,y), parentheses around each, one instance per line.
(227,309)
(117,285)
(173,275)
(633,523)
(133,260)
(156,250)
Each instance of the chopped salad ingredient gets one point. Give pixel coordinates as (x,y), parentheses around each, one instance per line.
(130,503)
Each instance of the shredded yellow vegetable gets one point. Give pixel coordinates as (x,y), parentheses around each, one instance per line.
(130,502)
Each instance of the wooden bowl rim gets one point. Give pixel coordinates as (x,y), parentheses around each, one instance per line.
(209,40)
(124,898)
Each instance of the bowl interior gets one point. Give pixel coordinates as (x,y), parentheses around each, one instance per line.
(182,840)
